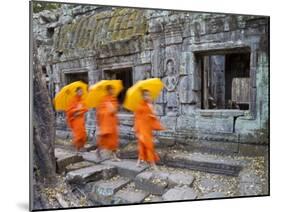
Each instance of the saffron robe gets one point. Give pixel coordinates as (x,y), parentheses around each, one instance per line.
(75,115)
(107,121)
(145,122)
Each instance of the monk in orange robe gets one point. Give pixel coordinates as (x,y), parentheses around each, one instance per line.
(145,122)
(75,115)
(107,122)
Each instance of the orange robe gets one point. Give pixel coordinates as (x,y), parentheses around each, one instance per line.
(75,115)
(108,124)
(145,123)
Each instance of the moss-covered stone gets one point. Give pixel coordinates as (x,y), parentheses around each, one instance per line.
(105,27)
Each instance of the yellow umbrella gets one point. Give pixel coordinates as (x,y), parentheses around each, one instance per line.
(98,91)
(134,96)
(64,96)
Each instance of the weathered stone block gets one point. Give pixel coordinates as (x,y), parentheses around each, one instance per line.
(93,157)
(173,38)
(212,124)
(126,168)
(185,122)
(179,193)
(128,154)
(151,181)
(203,162)
(103,191)
(165,141)
(79,165)
(145,57)
(129,197)
(64,158)
(93,173)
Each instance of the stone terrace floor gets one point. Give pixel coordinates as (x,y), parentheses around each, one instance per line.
(86,180)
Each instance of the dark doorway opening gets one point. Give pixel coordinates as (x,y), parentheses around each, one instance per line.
(78,76)
(124,74)
(225,81)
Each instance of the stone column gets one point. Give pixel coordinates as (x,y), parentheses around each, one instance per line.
(94,75)
(253,87)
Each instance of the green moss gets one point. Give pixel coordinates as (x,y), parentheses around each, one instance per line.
(117,25)
(115,35)
(112,23)
(93,31)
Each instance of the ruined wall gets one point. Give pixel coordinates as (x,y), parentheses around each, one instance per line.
(168,45)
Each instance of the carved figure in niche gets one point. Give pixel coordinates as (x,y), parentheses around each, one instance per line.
(170,82)
(171,79)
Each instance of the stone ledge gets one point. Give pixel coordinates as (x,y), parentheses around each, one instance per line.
(126,168)
(65,158)
(103,191)
(179,193)
(203,162)
(93,173)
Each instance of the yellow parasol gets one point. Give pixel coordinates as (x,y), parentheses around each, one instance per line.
(98,91)
(64,96)
(134,96)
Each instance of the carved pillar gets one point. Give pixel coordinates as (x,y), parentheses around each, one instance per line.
(158,55)
(253,88)
(94,75)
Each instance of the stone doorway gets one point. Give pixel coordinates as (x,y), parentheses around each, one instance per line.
(72,77)
(124,74)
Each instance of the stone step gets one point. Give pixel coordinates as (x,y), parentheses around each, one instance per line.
(204,162)
(93,157)
(103,191)
(157,182)
(65,158)
(126,168)
(78,165)
(129,196)
(92,173)
(128,154)
(180,193)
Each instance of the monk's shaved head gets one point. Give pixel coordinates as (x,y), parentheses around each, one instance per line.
(109,89)
(146,94)
(79,91)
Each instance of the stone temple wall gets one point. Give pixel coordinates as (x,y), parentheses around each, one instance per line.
(170,45)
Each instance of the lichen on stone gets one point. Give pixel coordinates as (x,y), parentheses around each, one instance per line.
(99,29)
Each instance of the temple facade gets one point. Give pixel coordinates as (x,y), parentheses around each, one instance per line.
(215,68)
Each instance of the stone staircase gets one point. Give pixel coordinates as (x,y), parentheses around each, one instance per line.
(104,181)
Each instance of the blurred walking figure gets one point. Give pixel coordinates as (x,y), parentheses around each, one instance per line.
(71,100)
(108,123)
(139,100)
(75,114)
(145,122)
(102,96)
